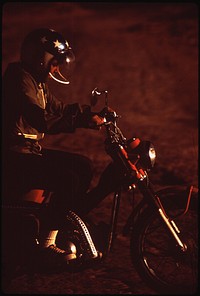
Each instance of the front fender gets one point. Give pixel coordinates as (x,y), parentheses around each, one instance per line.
(166,195)
(185,196)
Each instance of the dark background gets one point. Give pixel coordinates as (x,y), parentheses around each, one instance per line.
(146,56)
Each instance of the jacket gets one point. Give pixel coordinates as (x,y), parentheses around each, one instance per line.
(30,111)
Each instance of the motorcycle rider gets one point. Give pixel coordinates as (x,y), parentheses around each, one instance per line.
(30,111)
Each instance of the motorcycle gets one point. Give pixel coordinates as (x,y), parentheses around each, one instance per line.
(162,227)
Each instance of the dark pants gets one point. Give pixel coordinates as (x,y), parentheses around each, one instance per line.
(65,174)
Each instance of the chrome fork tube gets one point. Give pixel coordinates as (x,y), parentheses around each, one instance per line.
(173,229)
(150,195)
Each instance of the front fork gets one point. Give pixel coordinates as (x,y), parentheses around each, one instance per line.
(150,195)
(113,220)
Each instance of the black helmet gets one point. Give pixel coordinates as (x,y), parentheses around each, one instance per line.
(40,47)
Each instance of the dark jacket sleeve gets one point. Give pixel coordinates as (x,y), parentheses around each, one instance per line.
(61,117)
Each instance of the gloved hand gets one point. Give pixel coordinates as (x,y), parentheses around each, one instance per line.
(88,119)
(96,121)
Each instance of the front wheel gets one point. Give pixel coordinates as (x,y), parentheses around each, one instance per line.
(154,252)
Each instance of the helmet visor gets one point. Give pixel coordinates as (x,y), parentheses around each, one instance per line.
(64,67)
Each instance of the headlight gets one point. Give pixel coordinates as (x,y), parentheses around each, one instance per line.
(146,151)
(152,154)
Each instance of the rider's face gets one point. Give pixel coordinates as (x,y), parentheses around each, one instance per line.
(54,67)
(59,69)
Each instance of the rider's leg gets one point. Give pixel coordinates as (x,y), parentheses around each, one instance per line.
(109,182)
(54,172)
(66,174)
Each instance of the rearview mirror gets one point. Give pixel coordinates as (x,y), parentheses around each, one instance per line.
(95,94)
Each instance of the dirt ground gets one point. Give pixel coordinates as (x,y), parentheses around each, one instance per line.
(146,56)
